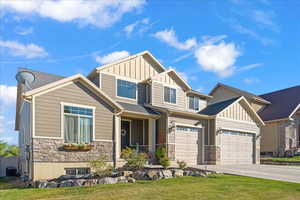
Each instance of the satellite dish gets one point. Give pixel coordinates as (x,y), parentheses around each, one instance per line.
(25,77)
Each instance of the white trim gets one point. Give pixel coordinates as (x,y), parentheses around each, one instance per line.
(81,106)
(237,130)
(116,89)
(33,116)
(144,132)
(100,80)
(52,89)
(130,127)
(188,125)
(163,96)
(48,137)
(235,120)
(100,140)
(294,111)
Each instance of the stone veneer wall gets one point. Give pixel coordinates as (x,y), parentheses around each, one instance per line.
(212,154)
(49,150)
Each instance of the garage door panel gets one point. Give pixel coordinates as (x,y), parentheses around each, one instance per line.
(236,148)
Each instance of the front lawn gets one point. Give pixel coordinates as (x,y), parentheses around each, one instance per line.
(223,187)
(289,159)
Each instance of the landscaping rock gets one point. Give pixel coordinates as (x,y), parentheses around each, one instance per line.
(67,177)
(127,173)
(52,184)
(122,179)
(153,174)
(130,180)
(167,173)
(67,183)
(42,184)
(177,172)
(116,174)
(79,182)
(108,180)
(140,175)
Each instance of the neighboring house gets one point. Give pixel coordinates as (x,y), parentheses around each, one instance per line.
(279,110)
(8,166)
(133,102)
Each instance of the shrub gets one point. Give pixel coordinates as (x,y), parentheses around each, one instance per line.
(134,159)
(162,156)
(181,164)
(101,167)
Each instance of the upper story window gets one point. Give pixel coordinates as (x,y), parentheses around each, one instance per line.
(126,89)
(170,95)
(193,103)
(78,124)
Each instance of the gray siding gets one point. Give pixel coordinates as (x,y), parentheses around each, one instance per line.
(48,111)
(236,125)
(158,97)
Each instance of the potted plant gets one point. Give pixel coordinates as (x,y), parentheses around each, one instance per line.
(77,147)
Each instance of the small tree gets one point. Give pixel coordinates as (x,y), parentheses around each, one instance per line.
(101,167)
(7,150)
(181,164)
(134,159)
(162,157)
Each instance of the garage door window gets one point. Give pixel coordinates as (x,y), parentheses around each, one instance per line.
(237,133)
(184,128)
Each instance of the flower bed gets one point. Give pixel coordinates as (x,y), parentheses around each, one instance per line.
(77,147)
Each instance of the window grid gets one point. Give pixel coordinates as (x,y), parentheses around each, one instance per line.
(170,95)
(126,89)
(194,103)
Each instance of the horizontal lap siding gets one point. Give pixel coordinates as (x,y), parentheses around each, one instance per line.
(158,97)
(48,111)
(237,125)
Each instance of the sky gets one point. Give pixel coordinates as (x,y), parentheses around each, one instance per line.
(253,45)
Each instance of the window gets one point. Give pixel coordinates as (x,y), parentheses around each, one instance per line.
(78,124)
(193,103)
(185,128)
(126,89)
(77,171)
(170,95)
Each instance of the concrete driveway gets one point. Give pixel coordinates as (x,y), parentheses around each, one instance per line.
(273,172)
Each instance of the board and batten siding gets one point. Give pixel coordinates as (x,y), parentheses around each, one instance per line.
(237,112)
(140,68)
(158,97)
(48,111)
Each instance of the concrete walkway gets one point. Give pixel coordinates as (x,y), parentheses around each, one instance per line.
(273,172)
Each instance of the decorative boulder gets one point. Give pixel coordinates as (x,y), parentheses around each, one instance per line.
(67,183)
(42,184)
(140,175)
(79,182)
(52,184)
(130,180)
(127,173)
(177,172)
(153,174)
(167,173)
(122,179)
(90,182)
(108,180)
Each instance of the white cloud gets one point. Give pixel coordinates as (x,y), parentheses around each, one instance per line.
(251,80)
(2,118)
(129,28)
(243,30)
(139,26)
(23,50)
(101,13)
(112,57)
(24,31)
(265,18)
(248,67)
(8,95)
(169,36)
(218,58)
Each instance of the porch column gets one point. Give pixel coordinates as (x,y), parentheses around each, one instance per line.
(152,135)
(117,136)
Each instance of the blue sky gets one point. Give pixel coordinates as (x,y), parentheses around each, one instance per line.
(252,45)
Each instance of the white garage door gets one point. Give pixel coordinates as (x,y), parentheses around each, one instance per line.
(236,148)
(186,144)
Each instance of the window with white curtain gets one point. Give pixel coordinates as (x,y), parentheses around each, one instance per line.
(78,124)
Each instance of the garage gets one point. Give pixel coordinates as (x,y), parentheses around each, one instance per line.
(188,142)
(237,148)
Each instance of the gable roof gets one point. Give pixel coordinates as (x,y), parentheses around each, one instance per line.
(40,78)
(139,109)
(240,93)
(217,108)
(88,83)
(194,92)
(283,103)
(97,69)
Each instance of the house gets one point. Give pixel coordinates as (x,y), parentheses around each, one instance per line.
(8,166)
(133,102)
(280,112)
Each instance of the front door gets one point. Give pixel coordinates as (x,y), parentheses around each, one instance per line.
(125,134)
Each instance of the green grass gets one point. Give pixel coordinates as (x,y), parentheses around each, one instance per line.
(223,187)
(290,159)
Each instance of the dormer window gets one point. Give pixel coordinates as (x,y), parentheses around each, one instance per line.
(126,89)
(193,103)
(170,95)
